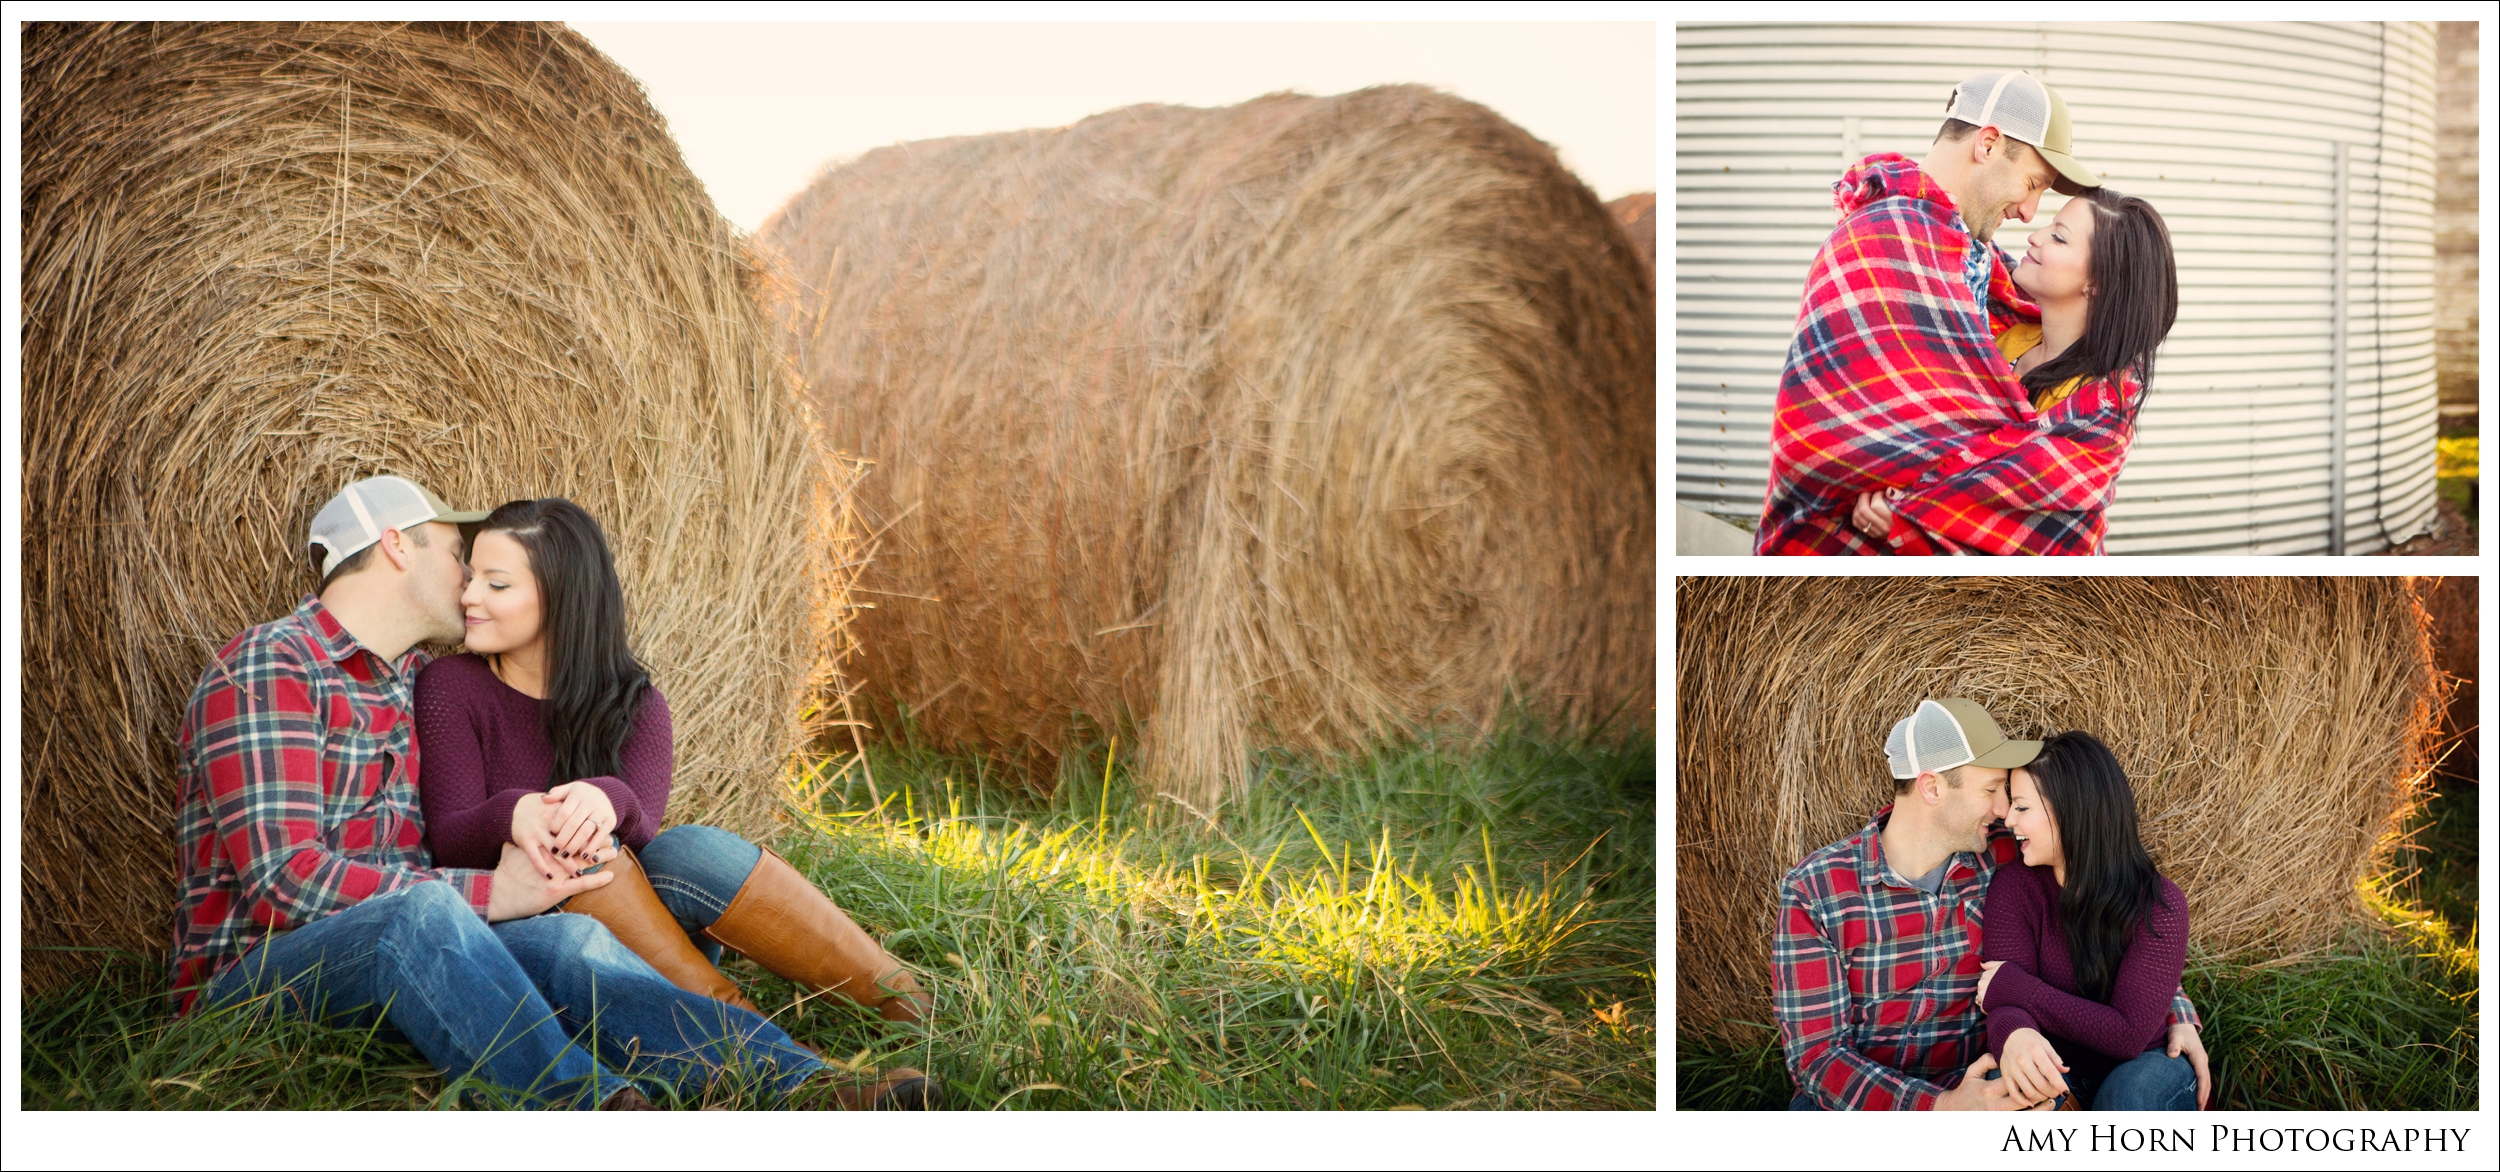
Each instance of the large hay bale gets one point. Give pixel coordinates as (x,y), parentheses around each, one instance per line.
(2276,730)
(263,260)
(1291,423)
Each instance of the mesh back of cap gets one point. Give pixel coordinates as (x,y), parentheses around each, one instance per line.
(1928,740)
(2012,102)
(2023,111)
(388,502)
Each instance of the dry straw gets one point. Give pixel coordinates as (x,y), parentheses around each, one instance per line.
(1295,422)
(2276,729)
(263,260)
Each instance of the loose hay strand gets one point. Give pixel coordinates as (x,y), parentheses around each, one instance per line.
(265,259)
(1298,422)
(2277,732)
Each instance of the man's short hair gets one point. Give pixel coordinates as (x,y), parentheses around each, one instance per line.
(358,560)
(1955,130)
(1952,775)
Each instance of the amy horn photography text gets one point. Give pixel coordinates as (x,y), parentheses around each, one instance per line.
(2104,1137)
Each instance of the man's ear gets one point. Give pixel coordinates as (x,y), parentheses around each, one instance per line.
(1985,144)
(394,547)
(1931,788)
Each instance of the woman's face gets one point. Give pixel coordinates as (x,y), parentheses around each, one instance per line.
(501,603)
(2057,261)
(2034,826)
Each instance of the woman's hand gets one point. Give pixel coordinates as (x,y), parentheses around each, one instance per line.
(2033,1066)
(1873,514)
(1987,972)
(2185,1039)
(579,820)
(532,834)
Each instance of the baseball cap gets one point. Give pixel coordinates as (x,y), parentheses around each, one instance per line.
(356,517)
(1941,734)
(2028,111)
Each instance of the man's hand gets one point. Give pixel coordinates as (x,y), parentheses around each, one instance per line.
(2185,1039)
(582,816)
(1987,972)
(2032,1065)
(1978,1092)
(522,890)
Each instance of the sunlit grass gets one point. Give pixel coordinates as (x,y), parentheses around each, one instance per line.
(1434,924)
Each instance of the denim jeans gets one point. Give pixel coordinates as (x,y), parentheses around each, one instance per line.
(2150,1081)
(513,1004)
(697,870)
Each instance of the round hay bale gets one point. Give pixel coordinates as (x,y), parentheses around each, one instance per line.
(2276,730)
(1297,422)
(263,260)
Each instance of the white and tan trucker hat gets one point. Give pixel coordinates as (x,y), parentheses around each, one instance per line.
(356,517)
(2027,110)
(1941,734)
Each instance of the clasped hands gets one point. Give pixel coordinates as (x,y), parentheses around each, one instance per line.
(556,837)
(2033,1075)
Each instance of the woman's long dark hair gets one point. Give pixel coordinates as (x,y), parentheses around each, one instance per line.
(2135,295)
(594,683)
(2111,886)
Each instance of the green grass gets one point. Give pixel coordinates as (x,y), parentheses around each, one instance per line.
(2459,466)
(2388,1022)
(1429,924)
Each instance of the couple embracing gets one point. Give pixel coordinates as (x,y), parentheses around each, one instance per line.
(1944,397)
(468,850)
(1995,939)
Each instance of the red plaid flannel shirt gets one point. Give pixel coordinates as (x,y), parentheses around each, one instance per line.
(1893,381)
(1875,982)
(299,791)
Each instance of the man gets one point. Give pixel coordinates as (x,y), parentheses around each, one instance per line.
(305,880)
(1893,384)
(1875,969)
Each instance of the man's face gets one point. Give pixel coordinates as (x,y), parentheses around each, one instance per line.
(1970,809)
(436,575)
(2005,185)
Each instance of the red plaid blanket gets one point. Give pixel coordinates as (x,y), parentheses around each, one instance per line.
(1894,381)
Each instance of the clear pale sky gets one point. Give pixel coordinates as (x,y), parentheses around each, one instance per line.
(758,108)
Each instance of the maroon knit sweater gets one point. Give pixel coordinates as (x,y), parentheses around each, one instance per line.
(486,748)
(2036,987)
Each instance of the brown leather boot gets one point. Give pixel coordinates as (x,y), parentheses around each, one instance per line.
(780,921)
(633,911)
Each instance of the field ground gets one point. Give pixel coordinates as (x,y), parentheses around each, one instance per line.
(2388,1022)
(1428,925)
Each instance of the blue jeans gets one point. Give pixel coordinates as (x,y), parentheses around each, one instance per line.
(2150,1081)
(697,870)
(513,1004)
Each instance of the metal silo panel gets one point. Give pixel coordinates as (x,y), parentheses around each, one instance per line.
(2231,130)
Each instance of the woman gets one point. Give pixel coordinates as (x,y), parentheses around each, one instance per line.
(548,734)
(2108,292)
(2084,941)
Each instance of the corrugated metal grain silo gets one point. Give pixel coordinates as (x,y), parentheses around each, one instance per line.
(2294,408)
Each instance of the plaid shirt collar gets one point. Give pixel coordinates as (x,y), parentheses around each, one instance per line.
(1873,871)
(340,644)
